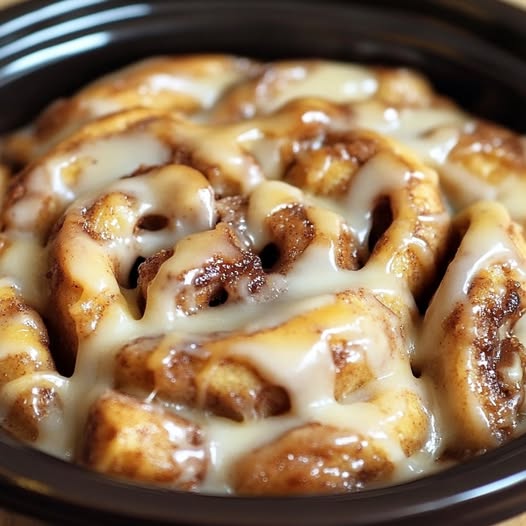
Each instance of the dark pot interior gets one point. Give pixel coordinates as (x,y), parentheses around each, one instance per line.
(473,50)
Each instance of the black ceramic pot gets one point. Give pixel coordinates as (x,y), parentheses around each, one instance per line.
(473,50)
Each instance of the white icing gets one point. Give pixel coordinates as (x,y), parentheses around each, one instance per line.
(336,82)
(250,153)
(485,244)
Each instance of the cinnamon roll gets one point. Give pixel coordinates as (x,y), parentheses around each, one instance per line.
(182,84)
(127,438)
(226,276)
(31,390)
(473,342)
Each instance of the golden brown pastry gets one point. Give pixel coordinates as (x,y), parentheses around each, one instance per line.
(280,82)
(487,162)
(311,459)
(262,278)
(473,348)
(198,375)
(129,439)
(407,218)
(30,388)
(181,84)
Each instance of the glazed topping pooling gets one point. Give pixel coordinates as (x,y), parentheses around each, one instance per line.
(295,277)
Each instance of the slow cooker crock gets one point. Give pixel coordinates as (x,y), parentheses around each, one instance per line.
(473,50)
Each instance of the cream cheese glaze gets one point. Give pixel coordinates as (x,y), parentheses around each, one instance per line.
(294,277)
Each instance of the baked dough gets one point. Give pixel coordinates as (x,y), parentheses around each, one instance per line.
(297,277)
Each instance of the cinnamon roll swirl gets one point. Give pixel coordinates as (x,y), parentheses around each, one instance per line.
(227,276)
(473,345)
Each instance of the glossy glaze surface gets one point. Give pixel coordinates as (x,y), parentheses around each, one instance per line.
(338,504)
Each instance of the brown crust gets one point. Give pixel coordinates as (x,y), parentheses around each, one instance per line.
(328,170)
(127,438)
(490,152)
(418,212)
(313,458)
(29,408)
(292,231)
(132,87)
(244,198)
(190,374)
(29,398)
(477,344)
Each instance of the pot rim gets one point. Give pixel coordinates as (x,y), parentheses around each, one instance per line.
(478,491)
